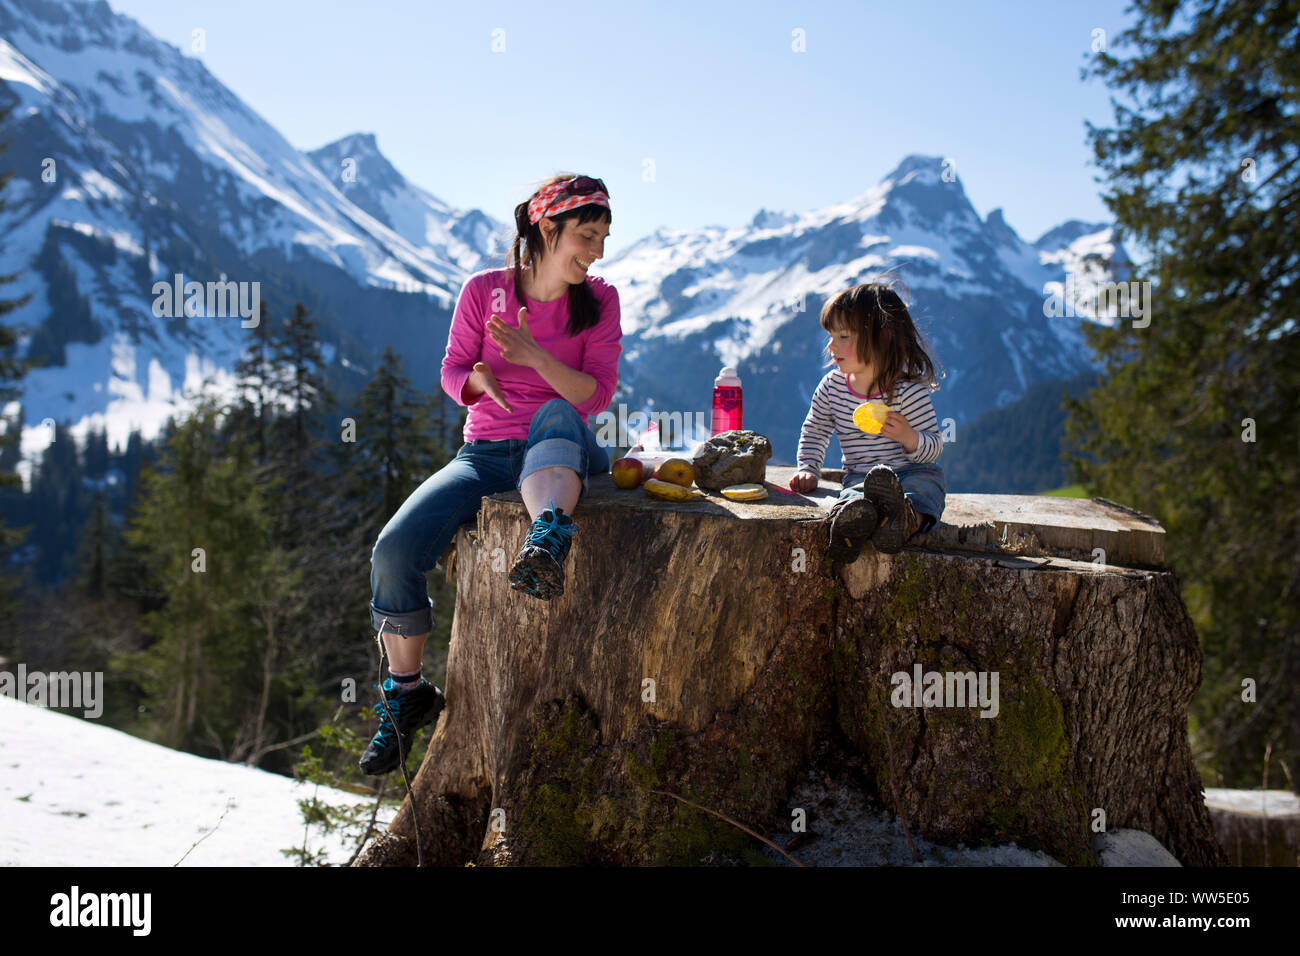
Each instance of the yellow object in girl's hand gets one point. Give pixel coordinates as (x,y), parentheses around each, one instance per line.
(871,417)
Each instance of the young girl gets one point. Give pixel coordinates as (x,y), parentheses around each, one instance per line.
(891,488)
(532,351)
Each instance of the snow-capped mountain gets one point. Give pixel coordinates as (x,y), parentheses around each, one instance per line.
(134,164)
(364,175)
(750,296)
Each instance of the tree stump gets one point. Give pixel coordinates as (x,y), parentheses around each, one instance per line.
(1256,827)
(702,649)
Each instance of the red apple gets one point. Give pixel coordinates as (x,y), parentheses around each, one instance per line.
(627,472)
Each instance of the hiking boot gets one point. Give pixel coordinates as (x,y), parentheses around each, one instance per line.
(914,520)
(852,521)
(539,567)
(409,711)
(882,487)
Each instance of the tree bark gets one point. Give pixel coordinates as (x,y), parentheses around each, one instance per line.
(703,649)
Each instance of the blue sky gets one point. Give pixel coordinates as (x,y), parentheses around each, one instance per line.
(714,94)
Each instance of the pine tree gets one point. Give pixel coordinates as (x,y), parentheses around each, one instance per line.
(1195,421)
(12,370)
(386,454)
(296,457)
(296,351)
(97,547)
(389,445)
(56,508)
(129,462)
(95,455)
(255,374)
(219,675)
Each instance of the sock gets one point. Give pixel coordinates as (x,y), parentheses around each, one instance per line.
(557,514)
(403,682)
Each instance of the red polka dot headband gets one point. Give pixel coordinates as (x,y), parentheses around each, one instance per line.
(581,191)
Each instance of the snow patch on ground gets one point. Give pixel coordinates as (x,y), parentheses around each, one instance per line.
(74,793)
(1264,803)
(845,827)
(848,829)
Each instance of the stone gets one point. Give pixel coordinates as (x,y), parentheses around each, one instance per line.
(736,457)
(1127,847)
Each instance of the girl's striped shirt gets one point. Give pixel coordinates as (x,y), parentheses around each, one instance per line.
(833,402)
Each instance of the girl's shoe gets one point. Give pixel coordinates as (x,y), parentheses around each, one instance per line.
(914,519)
(897,520)
(852,522)
(539,567)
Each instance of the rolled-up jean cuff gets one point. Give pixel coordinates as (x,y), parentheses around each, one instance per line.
(404,624)
(924,484)
(556,451)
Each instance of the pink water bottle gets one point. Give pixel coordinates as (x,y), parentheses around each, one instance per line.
(727,405)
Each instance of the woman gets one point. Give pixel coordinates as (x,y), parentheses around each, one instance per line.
(533,350)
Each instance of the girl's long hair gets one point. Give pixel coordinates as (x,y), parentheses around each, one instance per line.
(887,338)
(529,248)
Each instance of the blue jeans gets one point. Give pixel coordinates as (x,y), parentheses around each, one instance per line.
(923,485)
(418,533)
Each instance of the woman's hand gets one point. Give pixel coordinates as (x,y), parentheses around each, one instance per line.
(897,428)
(482,380)
(803,481)
(517,343)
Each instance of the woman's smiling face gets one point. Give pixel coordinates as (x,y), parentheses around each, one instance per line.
(579,245)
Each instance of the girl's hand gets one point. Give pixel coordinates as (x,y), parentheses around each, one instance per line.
(803,481)
(517,343)
(897,428)
(482,380)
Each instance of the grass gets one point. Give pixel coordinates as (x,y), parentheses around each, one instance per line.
(1069,491)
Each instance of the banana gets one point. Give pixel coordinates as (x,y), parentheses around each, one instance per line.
(667,491)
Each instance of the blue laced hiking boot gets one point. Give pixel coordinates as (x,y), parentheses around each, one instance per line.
(409,711)
(539,567)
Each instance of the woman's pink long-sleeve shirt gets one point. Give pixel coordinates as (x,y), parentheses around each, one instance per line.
(594,351)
